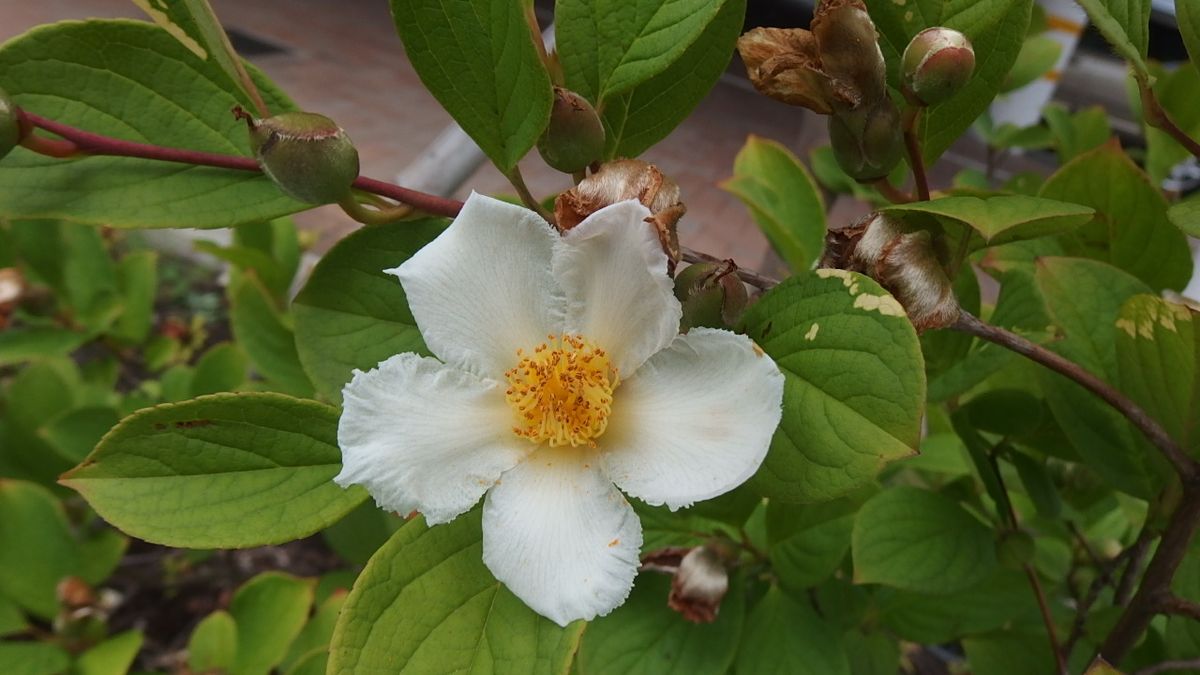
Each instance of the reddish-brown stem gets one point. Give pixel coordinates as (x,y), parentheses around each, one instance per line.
(1173,604)
(1168,666)
(1150,428)
(916,161)
(1158,118)
(1060,660)
(1137,552)
(891,192)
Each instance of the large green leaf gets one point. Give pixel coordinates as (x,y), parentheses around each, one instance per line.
(351,314)
(918,540)
(783,198)
(263,332)
(1158,357)
(786,636)
(478,59)
(1084,299)
(33,658)
(1176,92)
(1076,133)
(1131,229)
(269,612)
(426,604)
(213,643)
(114,656)
(854,384)
(997,32)
(809,542)
(610,46)
(1187,17)
(934,619)
(1126,26)
(37,548)
(646,637)
(1002,219)
(228,470)
(1186,216)
(130,80)
(644,115)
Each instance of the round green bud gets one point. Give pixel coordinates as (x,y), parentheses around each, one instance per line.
(574,138)
(867,142)
(1015,550)
(308,156)
(10,129)
(711,294)
(937,63)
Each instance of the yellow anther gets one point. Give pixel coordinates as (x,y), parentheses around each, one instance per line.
(569,382)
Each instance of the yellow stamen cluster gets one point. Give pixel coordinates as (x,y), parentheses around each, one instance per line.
(562,392)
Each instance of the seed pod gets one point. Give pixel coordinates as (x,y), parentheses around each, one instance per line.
(10,129)
(867,142)
(575,136)
(307,155)
(937,63)
(711,294)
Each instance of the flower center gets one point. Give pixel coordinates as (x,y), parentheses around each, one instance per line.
(562,392)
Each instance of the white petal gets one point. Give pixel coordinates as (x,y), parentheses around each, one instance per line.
(561,537)
(483,289)
(421,435)
(614,273)
(695,421)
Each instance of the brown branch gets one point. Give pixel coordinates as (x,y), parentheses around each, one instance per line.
(1165,666)
(1157,117)
(916,160)
(1150,428)
(891,192)
(1137,552)
(1060,661)
(748,276)
(1173,604)
(518,181)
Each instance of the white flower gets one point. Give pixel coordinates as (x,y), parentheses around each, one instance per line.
(559,372)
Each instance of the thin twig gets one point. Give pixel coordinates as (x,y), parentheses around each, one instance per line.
(1173,604)
(1137,552)
(916,161)
(1157,117)
(891,192)
(748,276)
(1153,431)
(518,181)
(1165,666)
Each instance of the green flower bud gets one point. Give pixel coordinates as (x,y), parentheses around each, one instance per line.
(937,63)
(575,136)
(1015,550)
(867,142)
(711,294)
(10,129)
(308,155)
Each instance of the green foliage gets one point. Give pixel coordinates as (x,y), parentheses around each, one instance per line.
(783,198)
(269,611)
(106,69)
(114,656)
(837,432)
(1187,17)
(264,475)
(1001,219)
(213,644)
(478,59)
(468,622)
(1126,26)
(787,636)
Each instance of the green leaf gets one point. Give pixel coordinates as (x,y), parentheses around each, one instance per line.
(786,636)
(809,542)
(37,548)
(357,536)
(91,74)
(33,658)
(467,622)
(41,393)
(1075,134)
(1158,349)
(837,432)
(1038,484)
(213,644)
(351,314)
(279,241)
(316,633)
(12,620)
(1183,632)
(1131,229)
(1176,93)
(1084,299)
(478,59)
(24,344)
(1126,26)
(610,46)
(269,611)
(194,24)
(1186,216)
(662,527)
(315,663)
(137,279)
(1187,17)
(871,653)
(1007,652)
(100,554)
(783,198)
(114,656)
(222,368)
(997,32)
(1004,218)
(637,119)
(1037,57)
(261,331)
(221,471)
(920,541)
(89,276)
(934,619)
(75,434)
(646,637)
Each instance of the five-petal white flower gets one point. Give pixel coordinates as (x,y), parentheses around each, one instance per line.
(559,372)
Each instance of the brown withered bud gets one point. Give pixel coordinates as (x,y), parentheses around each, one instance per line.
(74,593)
(711,295)
(699,585)
(783,64)
(902,262)
(618,181)
(850,54)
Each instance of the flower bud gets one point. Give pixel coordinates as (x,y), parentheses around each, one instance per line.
(699,585)
(10,128)
(867,143)
(575,136)
(307,155)
(74,593)
(850,53)
(902,262)
(711,294)
(937,63)
(618,181)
